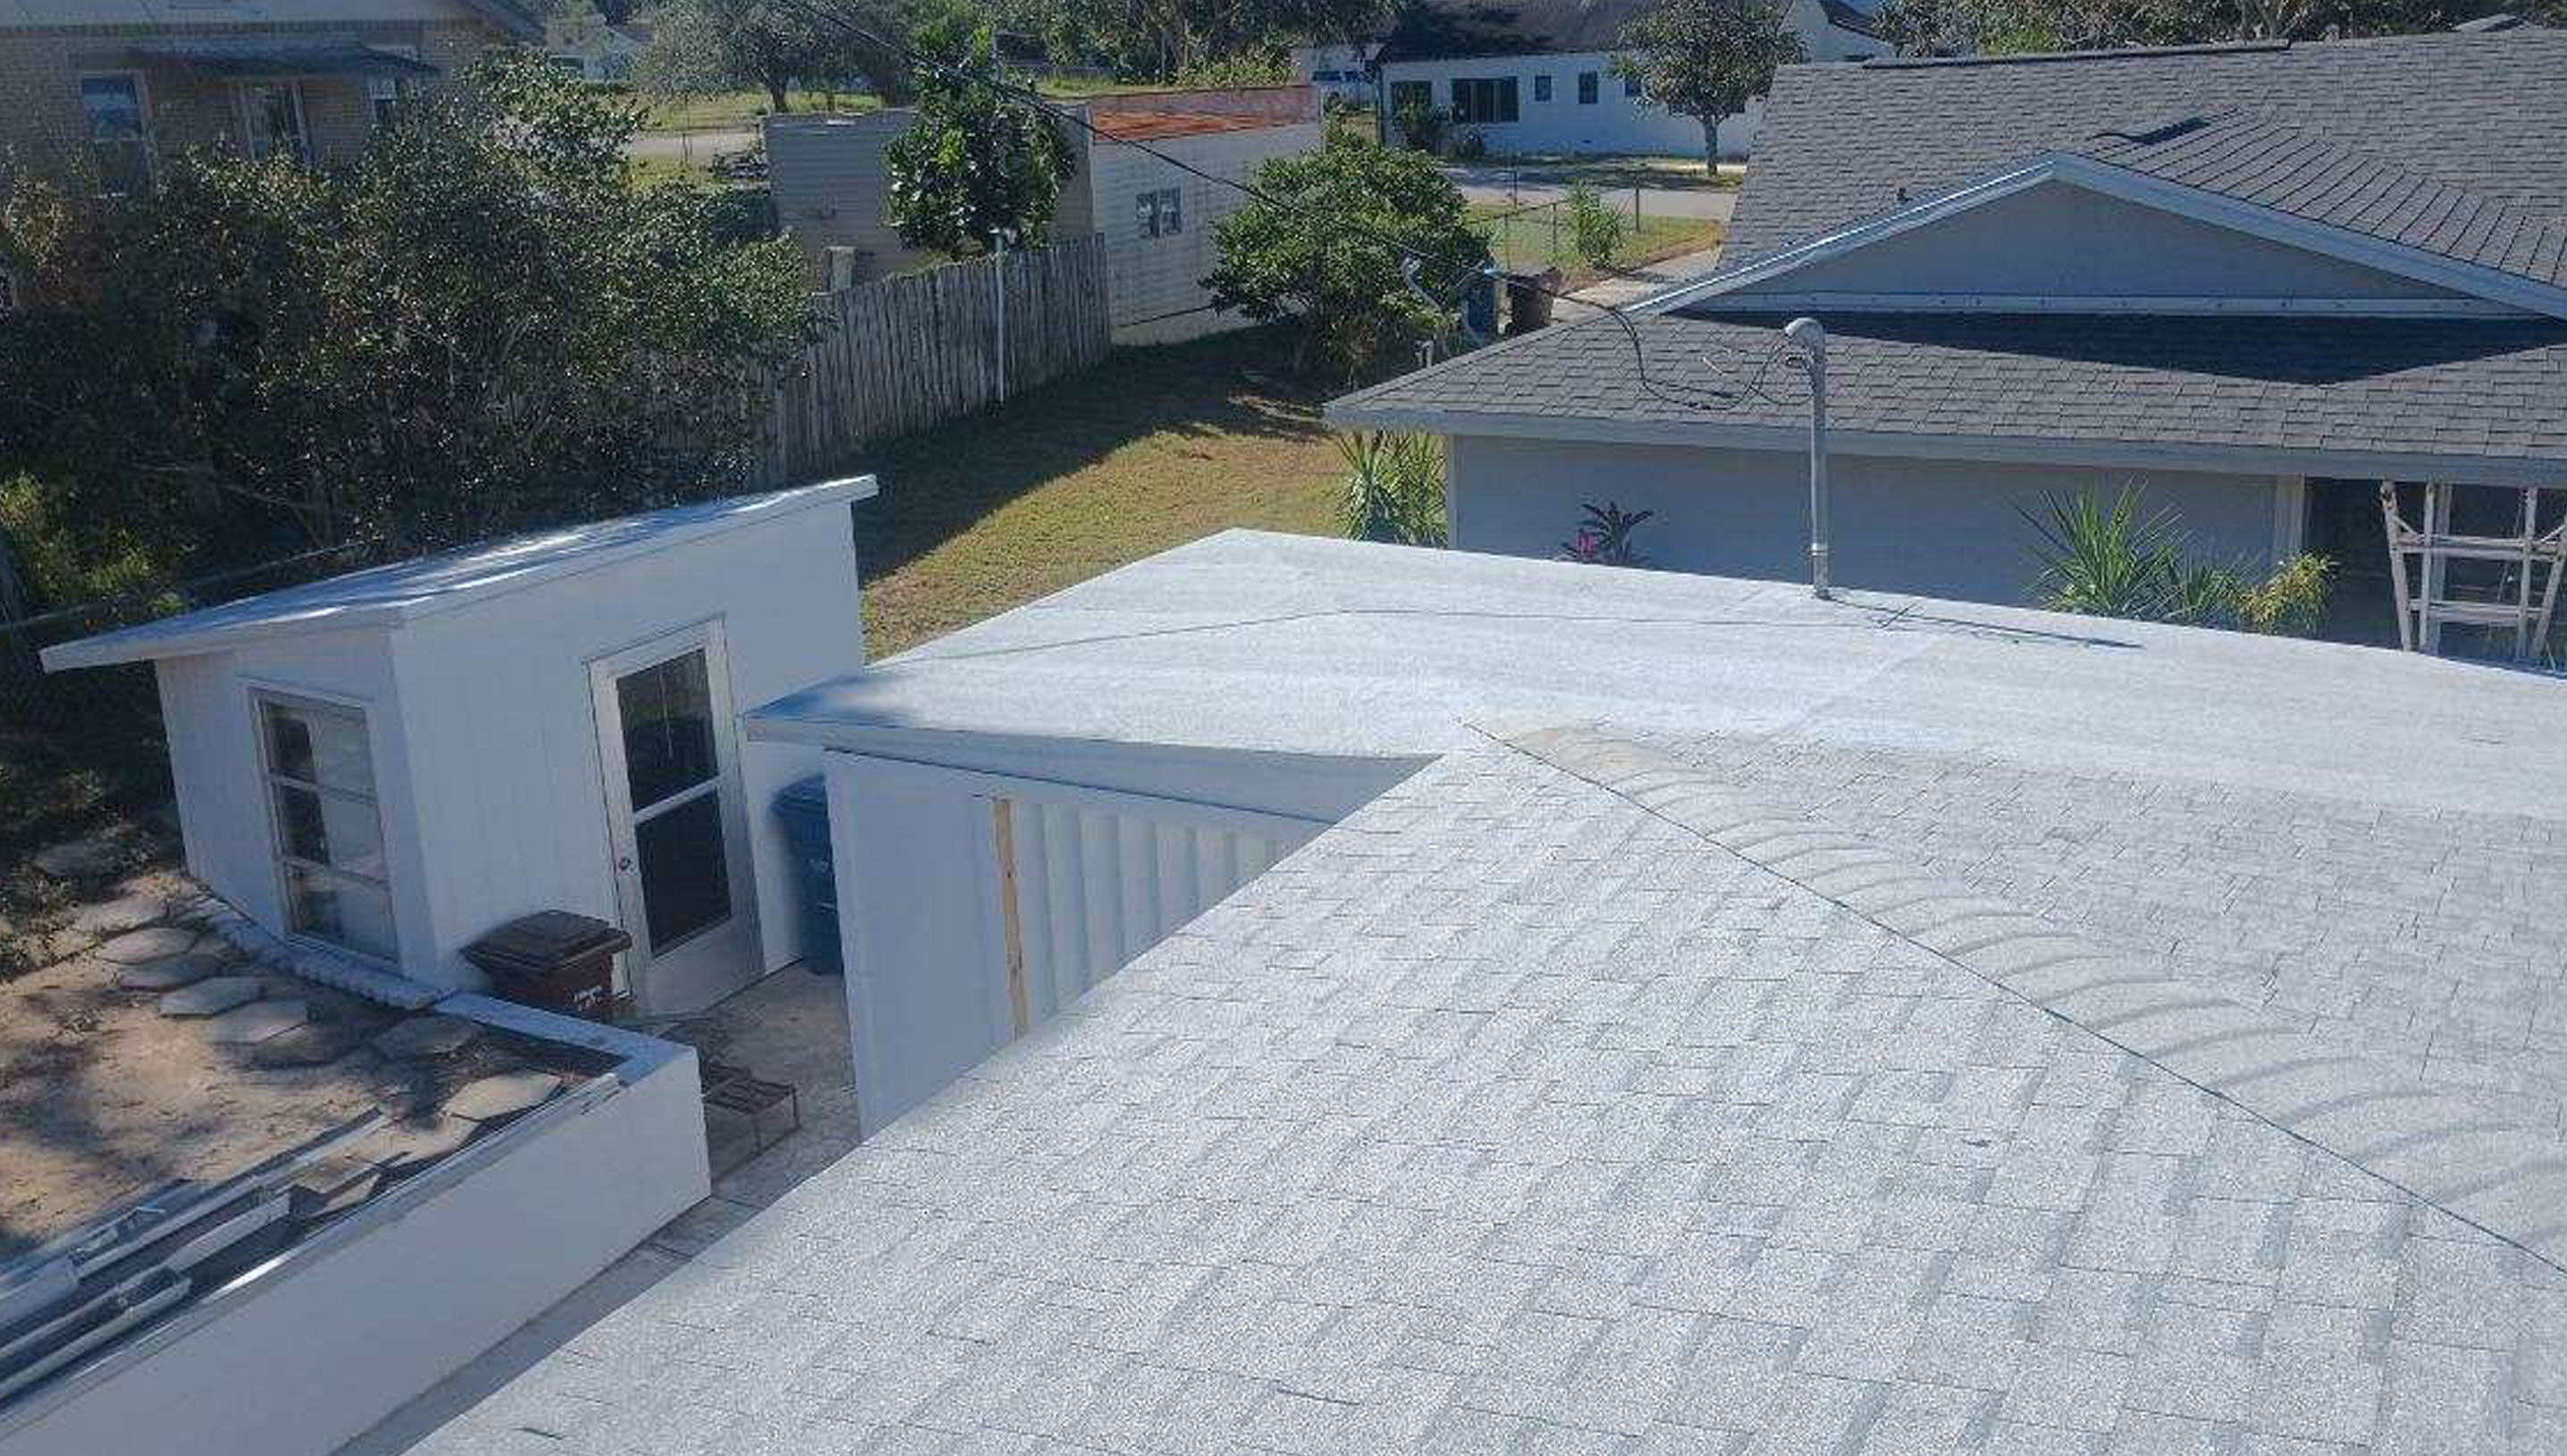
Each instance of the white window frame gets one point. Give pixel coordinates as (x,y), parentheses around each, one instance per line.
(1159,212)
(141,115)
(281,857)
(304,153)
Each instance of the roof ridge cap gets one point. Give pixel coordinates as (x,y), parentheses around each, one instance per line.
(2440,1148)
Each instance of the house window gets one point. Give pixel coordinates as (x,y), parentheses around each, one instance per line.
(384,94)
(1159,213)
(1587,87)
(273,116)
(118,144)
(328,830)
(1483,99)
(1542,87)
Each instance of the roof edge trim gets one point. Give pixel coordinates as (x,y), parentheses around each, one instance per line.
(2026,450)
(2252,219)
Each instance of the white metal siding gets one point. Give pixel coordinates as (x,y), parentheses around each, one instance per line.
(1150,278)
(503,734)
(1614,123)
(953,949)
(1095,887)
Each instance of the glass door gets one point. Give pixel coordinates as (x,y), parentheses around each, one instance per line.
(677,822)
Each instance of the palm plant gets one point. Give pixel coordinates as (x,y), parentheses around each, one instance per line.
(1395,488)
(2109,561)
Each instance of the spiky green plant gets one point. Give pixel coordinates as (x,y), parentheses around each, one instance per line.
(1394,488)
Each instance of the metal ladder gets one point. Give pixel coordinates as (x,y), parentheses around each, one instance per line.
(2427,607)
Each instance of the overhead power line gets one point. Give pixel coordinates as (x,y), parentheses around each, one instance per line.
(997,81)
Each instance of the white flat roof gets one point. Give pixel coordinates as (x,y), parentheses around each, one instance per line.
(1249,641)
(399,591)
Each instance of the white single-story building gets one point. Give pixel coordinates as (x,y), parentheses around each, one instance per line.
(1156,216)
(593,50)
(1543,82)
(2089,274)
(385,766)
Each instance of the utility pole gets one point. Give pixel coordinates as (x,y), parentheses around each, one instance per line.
(1813,340)
(998,279)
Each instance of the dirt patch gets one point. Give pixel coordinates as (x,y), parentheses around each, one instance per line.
(101,1095)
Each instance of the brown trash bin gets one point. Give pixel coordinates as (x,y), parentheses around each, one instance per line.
(1528,298)
(554,960)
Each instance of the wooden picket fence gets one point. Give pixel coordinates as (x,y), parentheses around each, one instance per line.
(908,352)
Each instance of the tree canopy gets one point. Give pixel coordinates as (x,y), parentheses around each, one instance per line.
(977,161)
(703,46)
(481,322)
(1706,59)
(1310,248)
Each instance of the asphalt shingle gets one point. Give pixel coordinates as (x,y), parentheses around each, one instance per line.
(1528,1109)
(1841,142)
(2459,389)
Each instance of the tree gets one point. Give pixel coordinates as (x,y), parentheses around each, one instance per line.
(704,46)
(1312,246)
(977,161)
(1706,59)
(481,322)
(1160,39)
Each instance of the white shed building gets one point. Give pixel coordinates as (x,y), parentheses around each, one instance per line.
(1156,216)
(386,765)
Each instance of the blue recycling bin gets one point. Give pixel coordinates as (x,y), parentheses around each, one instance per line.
(803,808)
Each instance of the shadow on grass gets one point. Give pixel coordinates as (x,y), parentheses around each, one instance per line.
(940,483)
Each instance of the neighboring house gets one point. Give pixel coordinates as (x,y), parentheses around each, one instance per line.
(1341,73)
(1539,78)
(1898,1027)
(385,766)
(595,51)
(1156,218)
(113,86)
(2211,270)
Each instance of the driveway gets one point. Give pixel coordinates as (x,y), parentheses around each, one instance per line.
(1524,185)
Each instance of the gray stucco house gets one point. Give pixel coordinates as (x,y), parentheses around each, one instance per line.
(2257,279)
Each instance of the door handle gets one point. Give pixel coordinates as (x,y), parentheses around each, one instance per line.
(624,863)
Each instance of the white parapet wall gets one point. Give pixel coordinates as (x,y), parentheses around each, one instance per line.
(314,1347)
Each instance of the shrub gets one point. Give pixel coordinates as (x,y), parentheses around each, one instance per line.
(1470,145)
(1312,246)
(2109,561)
(2290,601)
(1422,126)
(1595,230)
(1605,536)
(1395,488)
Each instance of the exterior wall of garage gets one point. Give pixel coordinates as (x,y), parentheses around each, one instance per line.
(1938,527)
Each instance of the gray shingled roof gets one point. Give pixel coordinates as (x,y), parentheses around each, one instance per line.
(1565,1099)
(1841,141)
(2253,159)
(2463,390)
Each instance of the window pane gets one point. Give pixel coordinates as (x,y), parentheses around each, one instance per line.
(275,120)
(1541,88)
(357,916)
(115,107)
(320,745)
(1587,87)
(1145,215)
(339,832)
(668,728)
(1172,217)
(684,884)
(1507,100)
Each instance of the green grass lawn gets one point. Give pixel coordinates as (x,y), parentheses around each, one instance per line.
(1521,239)
(1682,173)
(739,110)
(1153,448)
